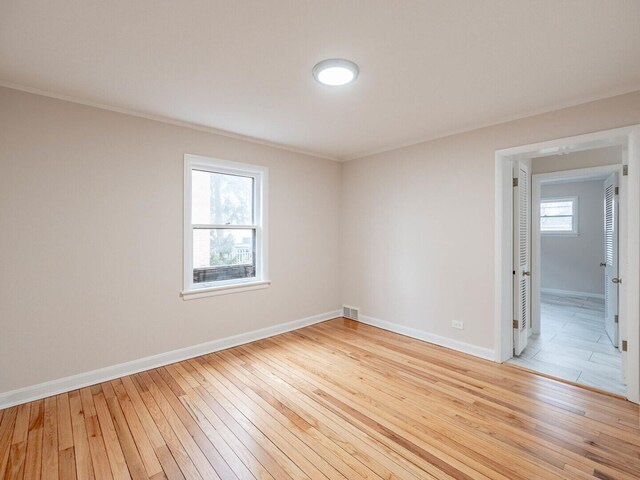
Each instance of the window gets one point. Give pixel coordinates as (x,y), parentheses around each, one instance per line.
(559,216)
(225,234)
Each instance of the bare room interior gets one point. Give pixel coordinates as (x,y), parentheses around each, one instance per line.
(320,240)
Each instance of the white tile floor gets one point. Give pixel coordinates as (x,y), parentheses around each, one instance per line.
(573,344)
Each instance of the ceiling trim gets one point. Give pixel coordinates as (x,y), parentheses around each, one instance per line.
(505,119)
(163,119)
(280,146)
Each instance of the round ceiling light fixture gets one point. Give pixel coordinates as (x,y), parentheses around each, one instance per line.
(335,72)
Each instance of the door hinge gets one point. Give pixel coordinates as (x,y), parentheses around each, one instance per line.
(617,190)
(615,318)
(515,182)
(625,170)
(515,324)
(624,345)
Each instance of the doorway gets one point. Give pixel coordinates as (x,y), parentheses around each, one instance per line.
(513,314)
(573,331)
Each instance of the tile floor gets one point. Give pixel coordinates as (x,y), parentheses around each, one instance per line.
(573,344)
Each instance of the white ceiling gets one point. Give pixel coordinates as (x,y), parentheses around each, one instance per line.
(427,67)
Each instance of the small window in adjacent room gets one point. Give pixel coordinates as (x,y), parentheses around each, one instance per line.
(225,231)
(559,216)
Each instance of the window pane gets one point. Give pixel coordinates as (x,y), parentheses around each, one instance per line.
(223,254)
(552,209)
(221,199)
(556,224)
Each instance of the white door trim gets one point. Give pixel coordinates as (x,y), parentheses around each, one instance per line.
(538,179)
(629,138)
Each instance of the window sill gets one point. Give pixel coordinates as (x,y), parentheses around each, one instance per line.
(560,234)
(224,290)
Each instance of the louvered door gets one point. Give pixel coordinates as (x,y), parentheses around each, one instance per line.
(522,257)
(611,257)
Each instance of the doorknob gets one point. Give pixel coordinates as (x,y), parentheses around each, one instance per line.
(602,264)
(616,280)
(526,274)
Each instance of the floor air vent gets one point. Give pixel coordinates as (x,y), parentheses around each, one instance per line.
(350,312)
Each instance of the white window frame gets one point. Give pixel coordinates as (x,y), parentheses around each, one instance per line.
(260,176)
(575,216)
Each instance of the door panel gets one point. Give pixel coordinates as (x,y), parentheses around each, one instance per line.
(611,257)
(521,258)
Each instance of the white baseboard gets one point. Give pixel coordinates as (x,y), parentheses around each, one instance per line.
(481,352)
(570,293)
(73,382)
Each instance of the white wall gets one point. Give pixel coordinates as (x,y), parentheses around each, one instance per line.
(91,239)
(573,262)
(91,234)
(418,222)
(584,159)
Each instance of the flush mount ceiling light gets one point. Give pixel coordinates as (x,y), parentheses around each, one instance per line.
(335,72)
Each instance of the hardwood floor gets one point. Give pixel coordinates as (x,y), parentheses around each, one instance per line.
(335,400)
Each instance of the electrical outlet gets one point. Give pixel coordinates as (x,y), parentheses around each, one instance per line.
(457,324)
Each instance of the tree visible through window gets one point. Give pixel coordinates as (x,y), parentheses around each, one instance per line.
(219,201)
(225,226)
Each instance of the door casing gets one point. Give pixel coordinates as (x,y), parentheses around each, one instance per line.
(629,139)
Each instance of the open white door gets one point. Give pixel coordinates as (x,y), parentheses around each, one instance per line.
(521,257)
(611,279)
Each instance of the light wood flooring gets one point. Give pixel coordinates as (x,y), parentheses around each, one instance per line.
(338,400)
(573,344)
